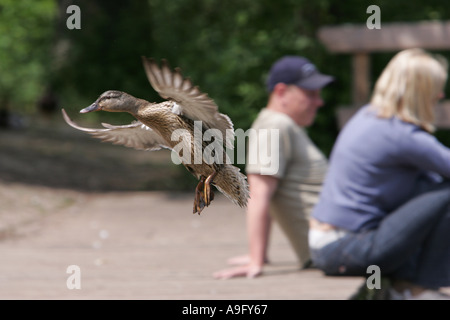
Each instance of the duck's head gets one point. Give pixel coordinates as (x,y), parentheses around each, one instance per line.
(113,101)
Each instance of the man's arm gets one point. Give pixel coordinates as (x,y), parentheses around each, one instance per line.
(262,188)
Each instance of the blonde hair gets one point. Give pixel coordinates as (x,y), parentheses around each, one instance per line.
(410,86)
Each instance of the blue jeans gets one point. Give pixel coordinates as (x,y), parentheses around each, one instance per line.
(412,243)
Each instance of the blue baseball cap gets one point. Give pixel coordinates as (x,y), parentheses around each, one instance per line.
(299,71)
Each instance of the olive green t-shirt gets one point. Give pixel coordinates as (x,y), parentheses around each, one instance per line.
(281,148)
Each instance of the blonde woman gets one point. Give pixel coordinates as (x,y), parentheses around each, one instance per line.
(386,197)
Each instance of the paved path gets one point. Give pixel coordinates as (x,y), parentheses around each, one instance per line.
(127,245)
(147,245)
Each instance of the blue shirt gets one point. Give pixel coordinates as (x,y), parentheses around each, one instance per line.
(374,166)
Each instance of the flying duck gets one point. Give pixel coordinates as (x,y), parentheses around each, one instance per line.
(178,123)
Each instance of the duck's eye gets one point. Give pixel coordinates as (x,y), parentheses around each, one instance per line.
(111,95)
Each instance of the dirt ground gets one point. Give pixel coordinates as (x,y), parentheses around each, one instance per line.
(124,217)
(46,166)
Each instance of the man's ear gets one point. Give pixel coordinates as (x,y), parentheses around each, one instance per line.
(280,88)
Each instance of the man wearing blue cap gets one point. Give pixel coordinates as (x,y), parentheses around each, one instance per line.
(289,194)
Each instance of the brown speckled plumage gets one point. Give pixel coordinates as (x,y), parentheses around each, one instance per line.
(156,123)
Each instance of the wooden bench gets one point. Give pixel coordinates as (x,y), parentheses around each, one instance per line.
(360,41)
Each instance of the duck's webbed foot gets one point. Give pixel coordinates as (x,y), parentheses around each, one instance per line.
(203,193)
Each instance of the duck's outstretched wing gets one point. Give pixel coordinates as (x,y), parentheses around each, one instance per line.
(193,103)
(135,135)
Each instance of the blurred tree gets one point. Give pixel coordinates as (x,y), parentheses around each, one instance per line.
(226,47)
(26,29)
(105,53)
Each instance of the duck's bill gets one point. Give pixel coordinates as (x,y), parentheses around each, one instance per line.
(92,107)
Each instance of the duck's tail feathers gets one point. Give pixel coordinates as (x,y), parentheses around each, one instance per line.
(233,184)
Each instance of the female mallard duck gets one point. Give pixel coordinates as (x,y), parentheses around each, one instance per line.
(180,115)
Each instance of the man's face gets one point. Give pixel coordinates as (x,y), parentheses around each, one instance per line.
(302,104)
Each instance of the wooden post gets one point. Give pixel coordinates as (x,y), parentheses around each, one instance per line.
(361,79)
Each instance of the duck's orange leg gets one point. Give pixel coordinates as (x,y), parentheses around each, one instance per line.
(203,193)
(199,200)
(207,191)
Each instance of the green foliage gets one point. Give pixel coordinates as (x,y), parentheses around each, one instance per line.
(104,54)
(26,30)
(226,47)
